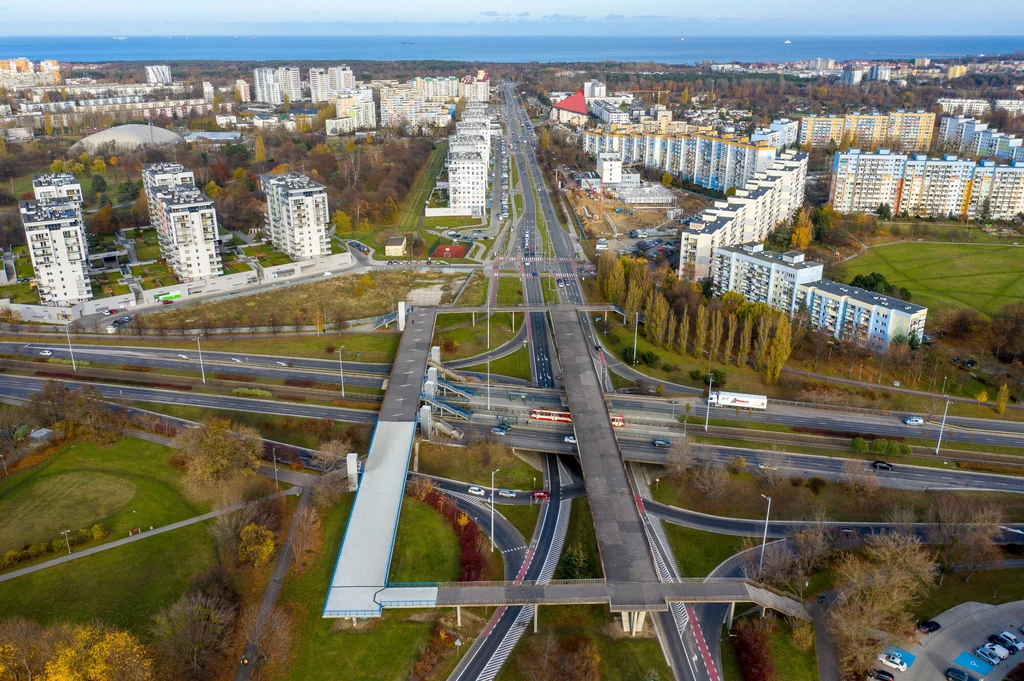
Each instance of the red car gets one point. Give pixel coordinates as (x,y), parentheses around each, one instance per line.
(166,302)
(541,494)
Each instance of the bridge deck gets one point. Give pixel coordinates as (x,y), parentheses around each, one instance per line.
(365,558)
(625,552)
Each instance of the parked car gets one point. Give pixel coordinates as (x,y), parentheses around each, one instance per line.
(107,313)
(987,655)
(507,493)
(570,439)
(996,649)
(166,302)
(663,444)
(45,353)
(881,465)
(997,640)
(893,660)
(914,421)
(929,627)
(477,491)
(881,675)
(1012,640)
(954,674)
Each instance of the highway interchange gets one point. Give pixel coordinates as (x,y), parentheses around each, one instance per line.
(534,558)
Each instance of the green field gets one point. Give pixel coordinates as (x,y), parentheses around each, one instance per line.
(985,278)
(510,291)
(125,485)
(697,552)
(475,462)
(472,340)
(988,586)
(581,531)
(426,548)
(515,364)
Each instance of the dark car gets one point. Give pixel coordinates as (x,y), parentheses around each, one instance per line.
(929,627)
(1000,641)
(881,675)
(954,674)
(881,465)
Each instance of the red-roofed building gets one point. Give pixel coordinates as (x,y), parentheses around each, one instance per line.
(572,109)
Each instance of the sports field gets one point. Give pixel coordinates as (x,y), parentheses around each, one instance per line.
(949,275)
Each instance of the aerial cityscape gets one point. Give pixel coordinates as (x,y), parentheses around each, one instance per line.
(340,349)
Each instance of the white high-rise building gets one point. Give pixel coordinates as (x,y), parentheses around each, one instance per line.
(57,185)
(476,89)
(290,80)
(57,246)
(609,167)
(265,87)
(163,175)
(319,86)
(160,74)
(297,216)
(340,78)
(869,319)
(594,89)
(187,227)
(208,91)
(966,107)
(762,276)
(467,181)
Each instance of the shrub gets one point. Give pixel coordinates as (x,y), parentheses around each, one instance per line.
(252,392)
(899,448)
(241,378)
(696,374)
(880,446)
(300,382)
(737,464)
(330,349)
(796,482)
(98,531)
(859,445)
(816,484)
(67,362)
(666,367)
(642,356)
(10,559)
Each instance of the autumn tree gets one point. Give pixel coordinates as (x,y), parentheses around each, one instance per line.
(331,455)
(730,337)
(803,231)
(656,319)
(255,545)
(779,350)
(764,330)
(305,535)
(616,283)
(215,450)
(634,299)
(24,648)
(96,653)
(709,478)
(191,633)
(700,332)
(683,336)
(1002,397)
(716,334)
(743,351)
(260,151)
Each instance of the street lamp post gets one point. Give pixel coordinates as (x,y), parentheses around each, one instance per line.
(276,483)
(341,368)
(74,367)
(492,506)
(707,418)
(68,541)
(4,462)
(202,369)
(942,427)
(764,539)
(489,366)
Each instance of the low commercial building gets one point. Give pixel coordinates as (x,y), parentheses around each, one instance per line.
(297,216)
(763,276)
(853,314)
(55,233)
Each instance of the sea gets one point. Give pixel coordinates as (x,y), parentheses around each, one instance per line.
(661,49)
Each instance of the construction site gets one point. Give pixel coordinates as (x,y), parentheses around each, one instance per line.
(603,215)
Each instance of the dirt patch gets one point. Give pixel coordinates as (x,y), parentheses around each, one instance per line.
(426,295)
(613,629)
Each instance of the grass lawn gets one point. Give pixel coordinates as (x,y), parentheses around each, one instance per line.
(985,278)
(288,429)
(790,662)
(697,552)
(550,289)
(472,340)
(123,587)
(23,267)
(20,294)
(510,291)
(989,586)
(622,658)
(581,531)
(515,364)
(324,649)
(125,485)
(450,222)
(475,293)
(266,255)
(411,210)
(148,247)
(730,668)
(742,499)
(475,462)
(426,548)
(524,518)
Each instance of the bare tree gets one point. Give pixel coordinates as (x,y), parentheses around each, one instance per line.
(682,456)
(963,532)
(306,534)
(329,488)
(331,455)
(902,517)
(859,476)
(270,632)
(779,567)
(24,649)
(768,469)
(192,633)
(709,478)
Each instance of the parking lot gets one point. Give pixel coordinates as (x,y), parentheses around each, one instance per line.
(964,628)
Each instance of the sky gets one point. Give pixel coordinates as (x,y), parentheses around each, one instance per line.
(525,17)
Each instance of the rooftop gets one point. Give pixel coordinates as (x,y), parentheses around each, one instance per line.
(864,296)
(53,180)
(290,181)
(49,210)
(180,195)
(792,259)
(163,168)
(575,103)
(396,241)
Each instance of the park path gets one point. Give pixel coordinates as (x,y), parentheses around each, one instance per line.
(139,537)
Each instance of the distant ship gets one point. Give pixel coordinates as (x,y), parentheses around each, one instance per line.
(120,37)
(408,42)
(788,42)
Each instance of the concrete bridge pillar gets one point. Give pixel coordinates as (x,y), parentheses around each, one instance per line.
(536,616)
(633,622)
(458,615)
(729,616)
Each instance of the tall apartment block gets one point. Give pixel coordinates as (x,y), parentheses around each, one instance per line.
(467,181)
(57,185)
(913,130)
(749,215)
(187,227)
(762,276)
(163,175)
(966,107)
(297,215)
(242,91)
(926,187)
(866,318)
(159,74)
(57,246)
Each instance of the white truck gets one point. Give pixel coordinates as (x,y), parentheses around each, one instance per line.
(723,399)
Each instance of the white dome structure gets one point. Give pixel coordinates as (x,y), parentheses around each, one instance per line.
(127,138)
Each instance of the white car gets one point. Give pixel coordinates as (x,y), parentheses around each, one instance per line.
(914,421)
(893,661)
(1012,640)
(510,494)
(570,439)
(766,467)
(477,491)
(45,353)
(997,650)
(987,655)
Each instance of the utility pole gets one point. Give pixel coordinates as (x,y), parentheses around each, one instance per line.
(707,418)
(341,368)
(636,329)
(764,539)
(942,427)
(202,370)
(492,506)
(74,367)
(276,483)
